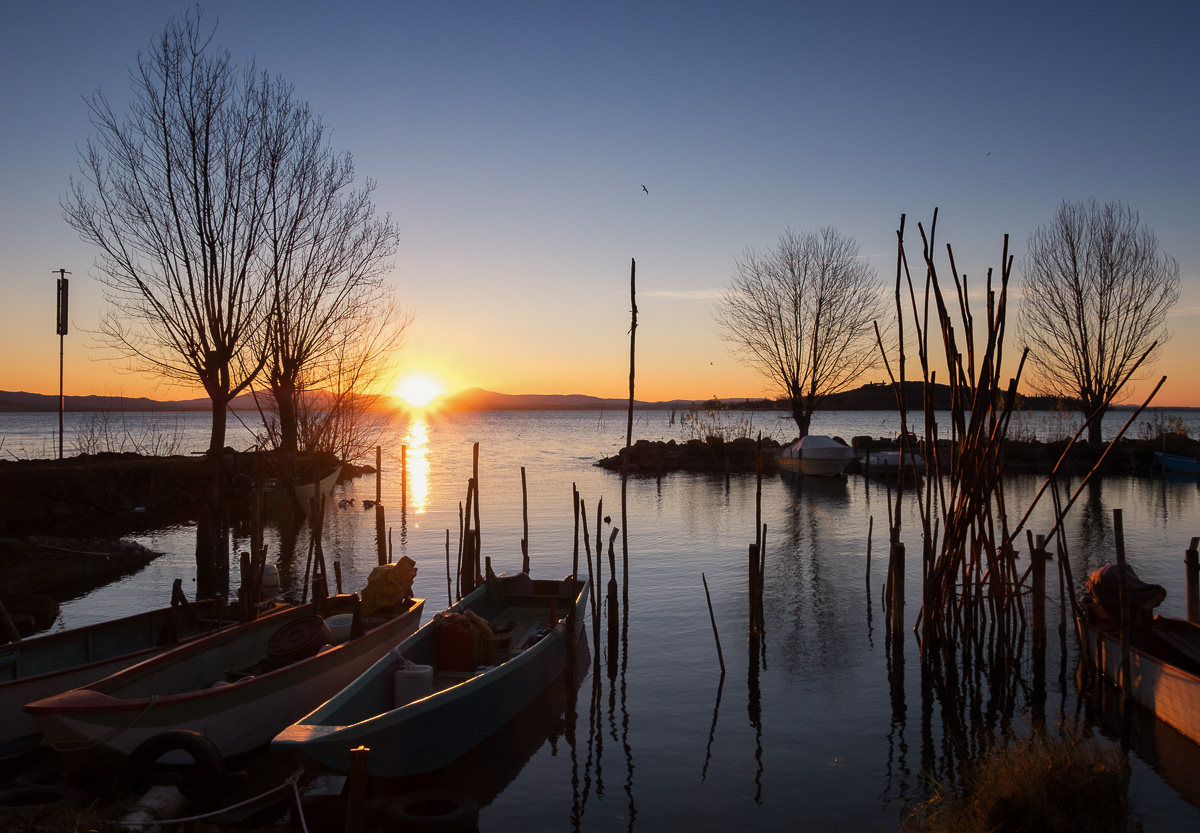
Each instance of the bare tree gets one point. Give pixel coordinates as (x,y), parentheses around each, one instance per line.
(327,251)
(173,194)
(339,414)
(802,314)
(1095,299)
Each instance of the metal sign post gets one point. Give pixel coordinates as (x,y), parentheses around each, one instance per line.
(62,331)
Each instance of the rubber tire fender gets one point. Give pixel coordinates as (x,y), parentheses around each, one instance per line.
(432,811)
(205,774)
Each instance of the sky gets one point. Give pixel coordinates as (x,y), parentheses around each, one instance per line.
(511,142)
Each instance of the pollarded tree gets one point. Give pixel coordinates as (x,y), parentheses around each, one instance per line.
(327,251)
(1096,293)
(802,315)
(174,195)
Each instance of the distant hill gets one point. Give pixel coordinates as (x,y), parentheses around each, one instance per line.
(873,397)
(477,399)
(21,402)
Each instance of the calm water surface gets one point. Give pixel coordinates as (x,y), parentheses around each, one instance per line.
(821,730)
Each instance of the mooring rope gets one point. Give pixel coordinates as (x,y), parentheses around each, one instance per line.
(291,781)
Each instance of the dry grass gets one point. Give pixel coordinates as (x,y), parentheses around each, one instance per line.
(1072,782)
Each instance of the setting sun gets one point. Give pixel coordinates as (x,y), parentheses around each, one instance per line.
(418,390)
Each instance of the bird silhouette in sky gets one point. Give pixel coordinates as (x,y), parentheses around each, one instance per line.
(644,188)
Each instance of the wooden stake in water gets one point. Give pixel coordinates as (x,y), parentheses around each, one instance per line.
(1191,560)
(525,520)
(628,431)
(1123,587)
(712,618)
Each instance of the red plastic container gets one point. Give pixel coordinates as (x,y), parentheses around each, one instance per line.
(456,646)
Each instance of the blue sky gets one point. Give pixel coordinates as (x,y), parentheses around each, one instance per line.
(510,141)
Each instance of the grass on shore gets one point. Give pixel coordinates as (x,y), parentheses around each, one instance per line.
(1066,783)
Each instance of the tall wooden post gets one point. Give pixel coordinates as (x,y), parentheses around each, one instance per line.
(1123,586)
(378,474)
(62,332)
(1037,562)
(897,600)
(525,522)
(1191,559)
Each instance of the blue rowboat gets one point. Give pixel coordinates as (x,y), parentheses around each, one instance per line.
(1177,463)
(521,628)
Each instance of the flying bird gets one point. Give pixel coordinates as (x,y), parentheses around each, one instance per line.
(644,188)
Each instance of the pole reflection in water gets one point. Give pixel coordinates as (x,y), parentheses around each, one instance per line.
(416,443)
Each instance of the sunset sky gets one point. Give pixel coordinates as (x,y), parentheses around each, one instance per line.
(511,143)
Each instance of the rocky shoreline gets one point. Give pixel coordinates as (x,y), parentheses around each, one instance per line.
(1131,458)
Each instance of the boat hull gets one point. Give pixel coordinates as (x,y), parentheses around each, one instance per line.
(816,456)
(46,665)
(1170,692)
(1177,463)
(128,708)
(432,732)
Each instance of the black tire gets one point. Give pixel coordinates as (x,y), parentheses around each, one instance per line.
(200,781)
(432,811)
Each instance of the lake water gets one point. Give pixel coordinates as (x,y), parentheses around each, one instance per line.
(824,729)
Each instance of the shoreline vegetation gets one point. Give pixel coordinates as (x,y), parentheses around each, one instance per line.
(878,396)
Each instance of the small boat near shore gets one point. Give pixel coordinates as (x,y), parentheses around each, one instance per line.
(238,687)
(451,685)
(890,463)
(275,499)
(1164,653)
(46,665)
(1177,463)
(816,455)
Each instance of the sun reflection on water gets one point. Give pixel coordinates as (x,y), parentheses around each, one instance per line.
(416,442)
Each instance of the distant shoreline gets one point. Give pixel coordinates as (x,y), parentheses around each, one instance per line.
(874,397)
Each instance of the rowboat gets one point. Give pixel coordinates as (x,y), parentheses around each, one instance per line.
(276,499)
(33,669)
(239,687)
(1177,463)
(451,685)
(1164,657)
(889,463)
(816,455)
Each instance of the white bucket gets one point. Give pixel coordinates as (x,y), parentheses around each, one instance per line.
(411,682)
(339,627)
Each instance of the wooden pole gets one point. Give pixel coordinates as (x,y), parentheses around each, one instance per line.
(628,432)
(1123,587)
(356,790)
(449,590)
(1037,561)
(475,479)
(897,599)
(614,625)
(525,520)
(752,572)
(1191,559)
(378,473)
(380,534)
(712,618)
(575,553)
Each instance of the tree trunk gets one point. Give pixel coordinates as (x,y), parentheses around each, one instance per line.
(216,442)
(802,416)
(285,404)
(1094,433)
